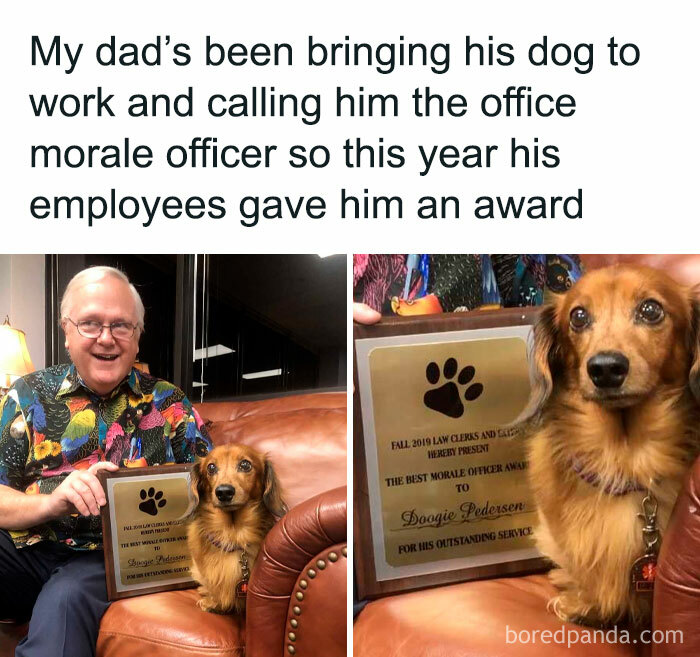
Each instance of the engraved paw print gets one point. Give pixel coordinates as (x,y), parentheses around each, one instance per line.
(446,398)
(151,501)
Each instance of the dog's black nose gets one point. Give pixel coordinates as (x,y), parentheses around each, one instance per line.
(608,369)
(225,492)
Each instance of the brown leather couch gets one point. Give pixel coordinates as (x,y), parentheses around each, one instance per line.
(470,619)
(297,596)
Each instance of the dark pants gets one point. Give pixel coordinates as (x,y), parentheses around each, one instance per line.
(61,591)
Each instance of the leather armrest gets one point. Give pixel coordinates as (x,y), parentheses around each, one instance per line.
(677,587)
(297,594)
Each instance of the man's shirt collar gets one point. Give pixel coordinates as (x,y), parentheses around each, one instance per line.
(73,381)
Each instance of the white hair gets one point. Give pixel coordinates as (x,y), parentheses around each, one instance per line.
(94,274)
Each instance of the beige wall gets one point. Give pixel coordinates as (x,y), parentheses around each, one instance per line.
(22,298)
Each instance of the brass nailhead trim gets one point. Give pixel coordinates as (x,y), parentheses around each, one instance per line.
(321,565)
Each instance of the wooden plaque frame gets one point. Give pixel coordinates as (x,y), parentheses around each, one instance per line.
(367,583)
(154,474)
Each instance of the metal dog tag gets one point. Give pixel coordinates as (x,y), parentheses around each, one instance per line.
(242,588)
(644,574)
(644,568)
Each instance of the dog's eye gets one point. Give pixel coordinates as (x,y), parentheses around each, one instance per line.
(245,465)
(579,318)
(650,311)
(212,469)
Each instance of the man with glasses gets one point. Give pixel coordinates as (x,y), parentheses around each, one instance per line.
(58,428)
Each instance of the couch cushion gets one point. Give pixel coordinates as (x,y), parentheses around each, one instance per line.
(470,620)
(683,268)
(168,624)
(231,410)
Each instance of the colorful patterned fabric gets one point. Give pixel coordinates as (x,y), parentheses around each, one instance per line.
(377,278)
(51,424)
(456,280)
(465,281)
(530,280)
(562,272)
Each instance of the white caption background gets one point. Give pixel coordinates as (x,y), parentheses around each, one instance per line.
(631,146)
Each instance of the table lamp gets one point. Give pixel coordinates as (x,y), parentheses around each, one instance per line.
(15,360)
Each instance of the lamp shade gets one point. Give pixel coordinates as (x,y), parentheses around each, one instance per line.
(14,355)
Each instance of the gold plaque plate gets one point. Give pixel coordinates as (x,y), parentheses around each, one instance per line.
(446,473)
(451,486)
(144,530)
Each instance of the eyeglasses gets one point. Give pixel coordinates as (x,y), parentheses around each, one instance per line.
(91,329)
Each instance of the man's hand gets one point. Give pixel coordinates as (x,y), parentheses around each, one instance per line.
(363,314)
(80,491)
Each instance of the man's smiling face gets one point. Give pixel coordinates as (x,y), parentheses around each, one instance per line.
(102,362)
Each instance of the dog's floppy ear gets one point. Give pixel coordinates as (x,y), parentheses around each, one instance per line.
(694,347)
(196,484)
(272,495)
(544,362)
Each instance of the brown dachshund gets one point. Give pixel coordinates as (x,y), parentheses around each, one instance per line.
(613,415)
(238,500)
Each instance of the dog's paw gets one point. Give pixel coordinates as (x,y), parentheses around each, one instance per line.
(208,605)
(559,606)
(152,501)
(569,608)
(446,398)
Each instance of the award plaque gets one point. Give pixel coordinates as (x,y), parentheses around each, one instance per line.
(441,490)
(143,525)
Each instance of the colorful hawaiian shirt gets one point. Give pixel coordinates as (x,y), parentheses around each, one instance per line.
(51,424)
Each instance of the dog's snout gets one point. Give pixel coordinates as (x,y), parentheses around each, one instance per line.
(225,492)
(608,369)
